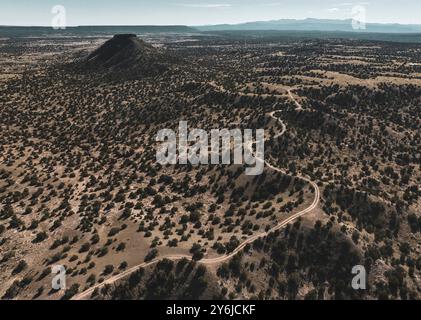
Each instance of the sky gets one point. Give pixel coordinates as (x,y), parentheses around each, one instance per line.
(201,12)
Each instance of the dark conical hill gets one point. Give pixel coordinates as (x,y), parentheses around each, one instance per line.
(129,55)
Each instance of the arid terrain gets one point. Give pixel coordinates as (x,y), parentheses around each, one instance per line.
(80,185)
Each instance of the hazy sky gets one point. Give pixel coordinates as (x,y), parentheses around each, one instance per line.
(198,12)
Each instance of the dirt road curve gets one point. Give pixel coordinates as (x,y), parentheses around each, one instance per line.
(299,106)
(86,294)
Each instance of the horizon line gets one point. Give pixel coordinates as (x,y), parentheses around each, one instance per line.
(207,25)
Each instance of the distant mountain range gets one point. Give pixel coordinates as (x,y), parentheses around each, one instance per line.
(307,25)
(312,25)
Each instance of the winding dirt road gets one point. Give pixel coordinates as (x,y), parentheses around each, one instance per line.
(87,294)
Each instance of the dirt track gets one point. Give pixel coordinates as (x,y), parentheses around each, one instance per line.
(86,294)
